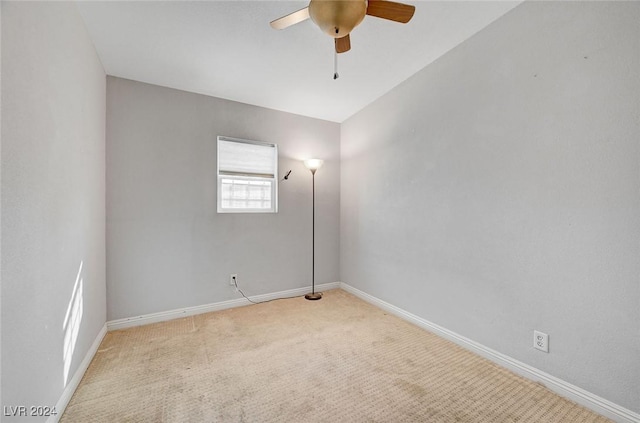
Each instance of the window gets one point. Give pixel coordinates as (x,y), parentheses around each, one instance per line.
(247,176)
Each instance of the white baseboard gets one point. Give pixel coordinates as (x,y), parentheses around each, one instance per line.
(565,389)
(206,308)
(77,377)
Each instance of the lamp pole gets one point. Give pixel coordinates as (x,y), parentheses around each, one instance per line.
(313,231)
(313,165)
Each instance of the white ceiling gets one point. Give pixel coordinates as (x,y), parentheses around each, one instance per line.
(227,49)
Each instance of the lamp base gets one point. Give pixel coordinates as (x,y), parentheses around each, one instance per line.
(314,296)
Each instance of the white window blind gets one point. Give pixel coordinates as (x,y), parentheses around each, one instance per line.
(247,176)
(243,158)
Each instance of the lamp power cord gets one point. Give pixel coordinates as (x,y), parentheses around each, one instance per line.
(235,282)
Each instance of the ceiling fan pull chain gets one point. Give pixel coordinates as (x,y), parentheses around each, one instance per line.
(335,65)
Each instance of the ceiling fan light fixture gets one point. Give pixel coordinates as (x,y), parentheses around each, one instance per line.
(337,18)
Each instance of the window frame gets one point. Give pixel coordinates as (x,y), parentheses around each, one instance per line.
(247,177)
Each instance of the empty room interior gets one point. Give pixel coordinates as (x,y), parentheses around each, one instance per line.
(325,211)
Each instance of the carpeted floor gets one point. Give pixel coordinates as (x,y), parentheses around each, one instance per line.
(334,360)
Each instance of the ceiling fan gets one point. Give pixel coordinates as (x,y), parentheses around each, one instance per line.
(338,18)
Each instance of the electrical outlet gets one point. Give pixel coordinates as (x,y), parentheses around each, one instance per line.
(233,278)
(541,341)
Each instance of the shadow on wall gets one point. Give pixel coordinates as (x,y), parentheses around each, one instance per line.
(71,324)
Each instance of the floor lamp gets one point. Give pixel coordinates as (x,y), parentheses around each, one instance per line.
(313,165)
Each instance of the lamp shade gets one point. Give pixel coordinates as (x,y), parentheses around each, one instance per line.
(313,164)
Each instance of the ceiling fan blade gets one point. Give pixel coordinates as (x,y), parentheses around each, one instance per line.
(398,12)
(343,44)
(291,19)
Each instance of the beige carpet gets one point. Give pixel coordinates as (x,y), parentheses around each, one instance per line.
(334,360)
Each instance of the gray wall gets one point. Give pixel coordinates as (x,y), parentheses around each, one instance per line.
(497,191)
(167,248)
(1,204)
(53,199)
